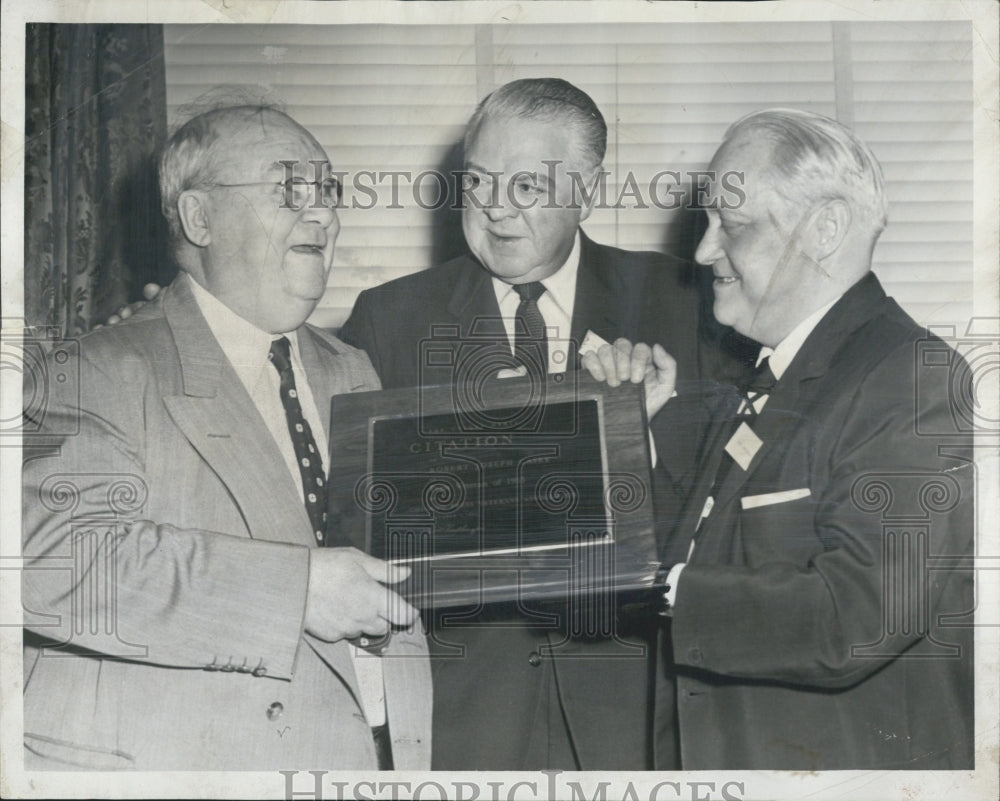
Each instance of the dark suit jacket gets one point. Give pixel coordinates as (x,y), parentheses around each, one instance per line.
(488,701)
(812,633)
(183,552)
(642,296)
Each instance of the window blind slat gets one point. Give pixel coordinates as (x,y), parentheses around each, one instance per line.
(383,97)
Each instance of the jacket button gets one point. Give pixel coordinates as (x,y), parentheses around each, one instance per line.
(695,656)
(274,710)
(534,659)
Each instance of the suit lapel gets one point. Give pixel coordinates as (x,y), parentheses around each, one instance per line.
(329,371)
(596,304)
(473,302)
(222,423)
(788,403)
(724,405)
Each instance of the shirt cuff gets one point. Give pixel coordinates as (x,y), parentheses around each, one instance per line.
(670,588)
(653,457)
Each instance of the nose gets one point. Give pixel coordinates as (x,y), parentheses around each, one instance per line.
(319,214)
(709,249)
(501,209)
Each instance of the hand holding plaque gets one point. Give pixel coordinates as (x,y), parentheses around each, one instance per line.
(639,363)
(497,490)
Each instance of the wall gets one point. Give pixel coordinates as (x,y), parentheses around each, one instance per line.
(393,98)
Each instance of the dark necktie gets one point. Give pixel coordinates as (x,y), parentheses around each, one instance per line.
(531,347)
(306,453)
(758,385)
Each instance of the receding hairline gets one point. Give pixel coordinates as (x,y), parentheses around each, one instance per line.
(237,121)
(577,138)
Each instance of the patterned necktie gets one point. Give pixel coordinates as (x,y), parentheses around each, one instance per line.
(306,453)
(758,385)
(531,347)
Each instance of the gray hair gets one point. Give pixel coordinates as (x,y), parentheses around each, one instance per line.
(191,154)
(549,100)
(820,159)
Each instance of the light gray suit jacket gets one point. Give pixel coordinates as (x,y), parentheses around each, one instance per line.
(167,553)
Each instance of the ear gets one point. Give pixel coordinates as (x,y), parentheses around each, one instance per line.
(589,191)
(191,208)
(830,227)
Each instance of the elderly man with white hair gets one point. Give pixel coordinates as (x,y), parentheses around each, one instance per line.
(821,619)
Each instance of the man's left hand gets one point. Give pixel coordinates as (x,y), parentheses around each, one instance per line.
(637,363)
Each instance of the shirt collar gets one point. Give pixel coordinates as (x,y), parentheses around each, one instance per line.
(781,355)
(244,344)
(560,286)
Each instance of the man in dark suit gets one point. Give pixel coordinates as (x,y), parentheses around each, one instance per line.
(193,623)
(820,596)
(521,697)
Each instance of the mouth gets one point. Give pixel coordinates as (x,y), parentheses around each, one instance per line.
(723,280)
(309,250)
(503,238)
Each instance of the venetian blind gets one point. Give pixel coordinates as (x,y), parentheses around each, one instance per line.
(911,92)
(380,99)
(384,98)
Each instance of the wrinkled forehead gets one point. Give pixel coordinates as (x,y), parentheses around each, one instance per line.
(262,144)
(513,142)
(746,162)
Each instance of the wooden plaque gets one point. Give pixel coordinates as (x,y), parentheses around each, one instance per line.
(507,489)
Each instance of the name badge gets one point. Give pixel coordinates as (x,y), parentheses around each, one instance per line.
(743,445)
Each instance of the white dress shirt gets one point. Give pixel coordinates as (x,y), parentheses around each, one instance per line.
(555,306)
(247,348)
(780,357)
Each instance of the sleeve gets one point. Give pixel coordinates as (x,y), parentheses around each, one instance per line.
(801,620)
(99,575)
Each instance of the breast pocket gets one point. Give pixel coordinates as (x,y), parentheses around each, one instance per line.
(779,526)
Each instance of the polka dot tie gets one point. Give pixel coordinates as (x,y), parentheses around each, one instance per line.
(306,453)
(531,347)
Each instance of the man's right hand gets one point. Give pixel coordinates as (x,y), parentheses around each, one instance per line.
(149,292)
(637,363)
(347,595)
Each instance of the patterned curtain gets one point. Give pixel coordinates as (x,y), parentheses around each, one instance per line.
(95,117)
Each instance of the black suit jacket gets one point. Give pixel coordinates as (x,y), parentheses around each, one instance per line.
(829,627)
(490,701)
(642,296)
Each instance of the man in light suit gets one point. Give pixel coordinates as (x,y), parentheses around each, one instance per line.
(521,696)
(821,594)
(179,612)
(549,702)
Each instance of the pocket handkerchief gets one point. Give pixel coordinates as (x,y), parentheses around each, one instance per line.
(770,498)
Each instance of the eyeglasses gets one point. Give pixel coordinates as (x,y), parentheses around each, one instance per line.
(296,193)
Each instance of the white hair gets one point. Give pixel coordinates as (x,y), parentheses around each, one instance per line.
(820,159)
